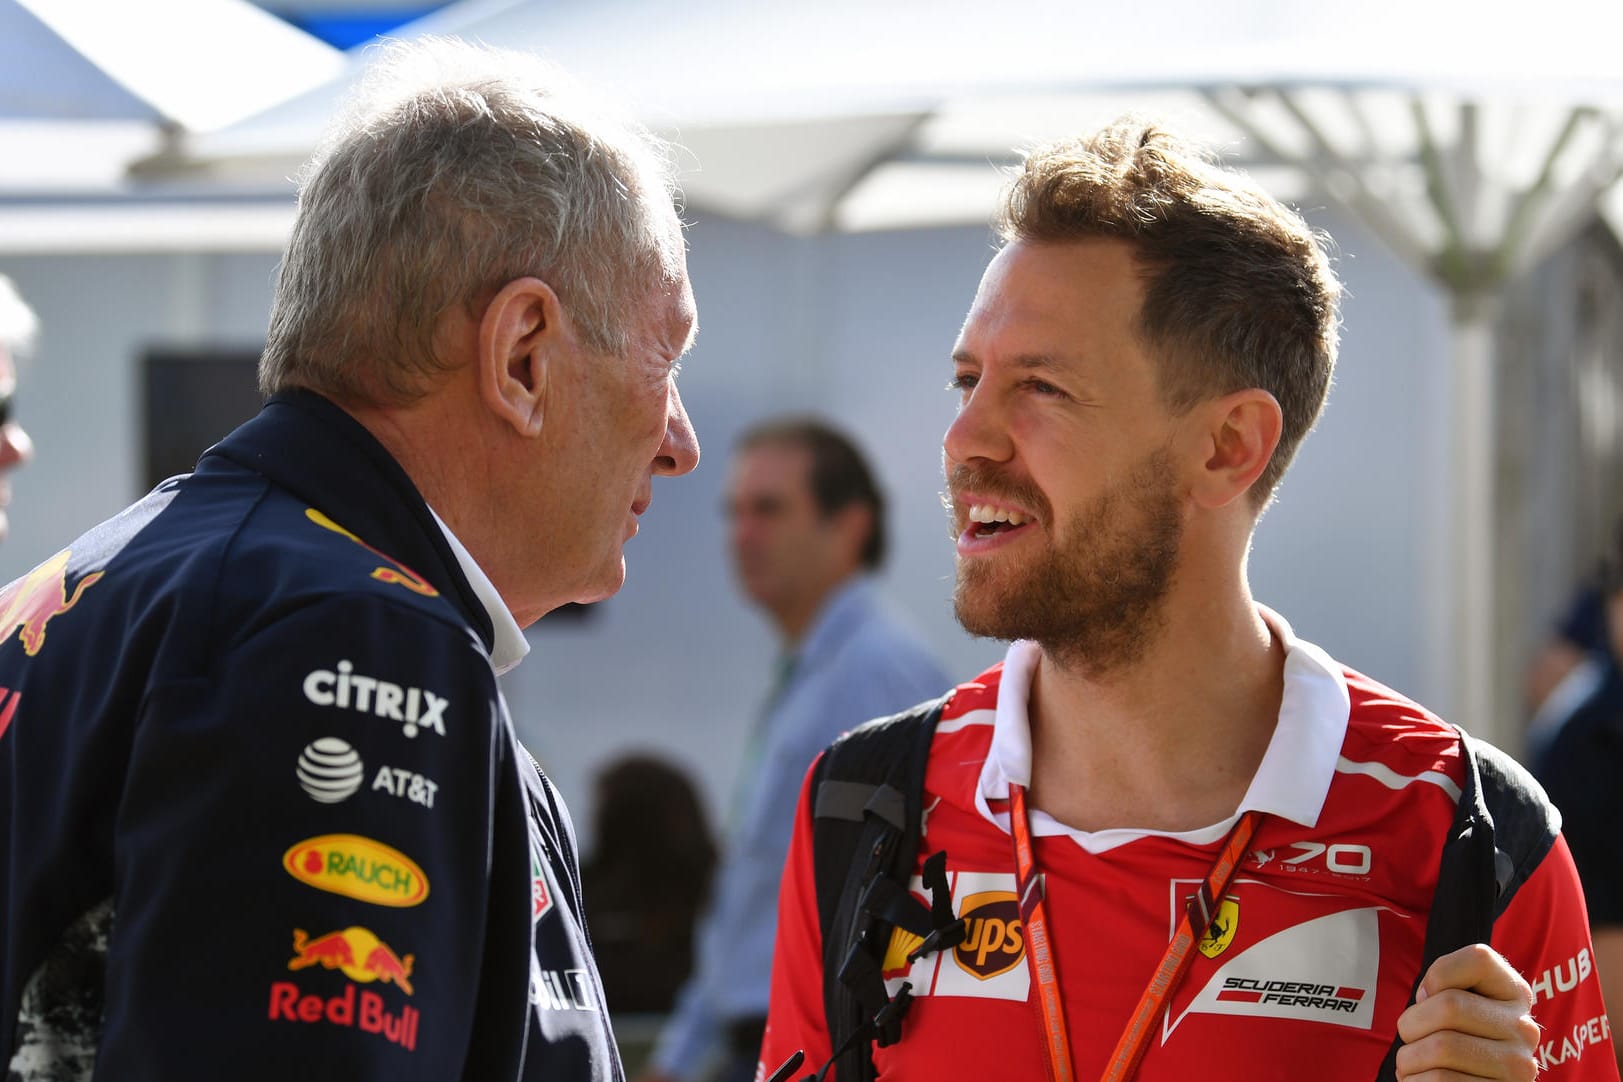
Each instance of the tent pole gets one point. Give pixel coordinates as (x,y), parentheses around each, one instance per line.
(1473,521)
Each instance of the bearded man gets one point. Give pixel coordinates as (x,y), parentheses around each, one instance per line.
(1143,357)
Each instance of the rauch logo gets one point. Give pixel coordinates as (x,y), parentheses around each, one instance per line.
(357,867)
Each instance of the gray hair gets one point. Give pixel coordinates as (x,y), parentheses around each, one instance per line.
(19,326)
(456,169)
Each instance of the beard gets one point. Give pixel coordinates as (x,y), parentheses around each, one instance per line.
(1092,599)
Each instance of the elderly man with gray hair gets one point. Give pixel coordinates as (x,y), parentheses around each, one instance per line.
(18,328)
(265,814)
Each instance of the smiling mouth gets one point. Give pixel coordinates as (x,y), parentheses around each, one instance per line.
(987,521)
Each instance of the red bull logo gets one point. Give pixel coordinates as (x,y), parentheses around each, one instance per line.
(31,602)
(8,707)
(357,867)
(398,574)
(995,942)
(288,1003)
(360,954)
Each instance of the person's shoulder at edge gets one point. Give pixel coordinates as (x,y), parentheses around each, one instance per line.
(231,556)
(301,554)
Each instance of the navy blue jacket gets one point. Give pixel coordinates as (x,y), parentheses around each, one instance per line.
(1580,770)
(262,814)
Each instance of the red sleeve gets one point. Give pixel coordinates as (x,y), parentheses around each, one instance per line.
(795,1019)
(1544,933)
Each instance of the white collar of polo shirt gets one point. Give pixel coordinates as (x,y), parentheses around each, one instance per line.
(1291,782)
(509,644)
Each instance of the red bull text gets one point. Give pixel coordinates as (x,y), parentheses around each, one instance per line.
(288,1003)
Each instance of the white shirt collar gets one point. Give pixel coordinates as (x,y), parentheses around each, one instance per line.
(510,643)
(1291,782)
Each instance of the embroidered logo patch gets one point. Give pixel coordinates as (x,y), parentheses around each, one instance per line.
(37,598)
(995,942)
(357,867)
(357,951)
(1220,933)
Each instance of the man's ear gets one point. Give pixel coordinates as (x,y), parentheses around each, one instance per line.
(520,334)
(1239,432)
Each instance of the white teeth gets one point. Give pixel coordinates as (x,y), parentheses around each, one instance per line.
(985,513)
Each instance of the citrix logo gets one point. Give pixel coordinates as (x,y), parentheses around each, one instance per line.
(416,708)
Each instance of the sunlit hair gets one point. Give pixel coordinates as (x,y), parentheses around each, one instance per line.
(19,327)
(456,169)
(840,475)
(1238,291)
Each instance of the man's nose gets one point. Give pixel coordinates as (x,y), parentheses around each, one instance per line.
(679,453)
(978,432)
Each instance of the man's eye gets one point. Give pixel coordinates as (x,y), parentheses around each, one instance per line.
(1043,387)
(963,381)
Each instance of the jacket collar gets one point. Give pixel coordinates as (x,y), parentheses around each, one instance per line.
(310,446)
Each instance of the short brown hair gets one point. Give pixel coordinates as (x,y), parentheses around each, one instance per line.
(1238,291)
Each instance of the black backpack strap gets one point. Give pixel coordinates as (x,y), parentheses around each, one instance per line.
(1503,828)
(1525,823)
(867,810)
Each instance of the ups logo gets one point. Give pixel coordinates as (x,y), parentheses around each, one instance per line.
(996,940)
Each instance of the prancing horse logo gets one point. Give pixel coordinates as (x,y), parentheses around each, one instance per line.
(1221,931)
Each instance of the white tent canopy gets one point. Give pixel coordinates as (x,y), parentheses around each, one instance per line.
(88,85)
(1473,139)
(794,112)
(199,64)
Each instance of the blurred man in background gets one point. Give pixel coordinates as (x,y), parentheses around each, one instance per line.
(1582,767)
(18,328)
(807,527)
(265,815)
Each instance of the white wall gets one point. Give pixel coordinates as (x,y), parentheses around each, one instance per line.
(858,327)
(80,396)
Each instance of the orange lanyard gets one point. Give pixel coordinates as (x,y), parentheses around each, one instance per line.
(1039,949)
(1196,919)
